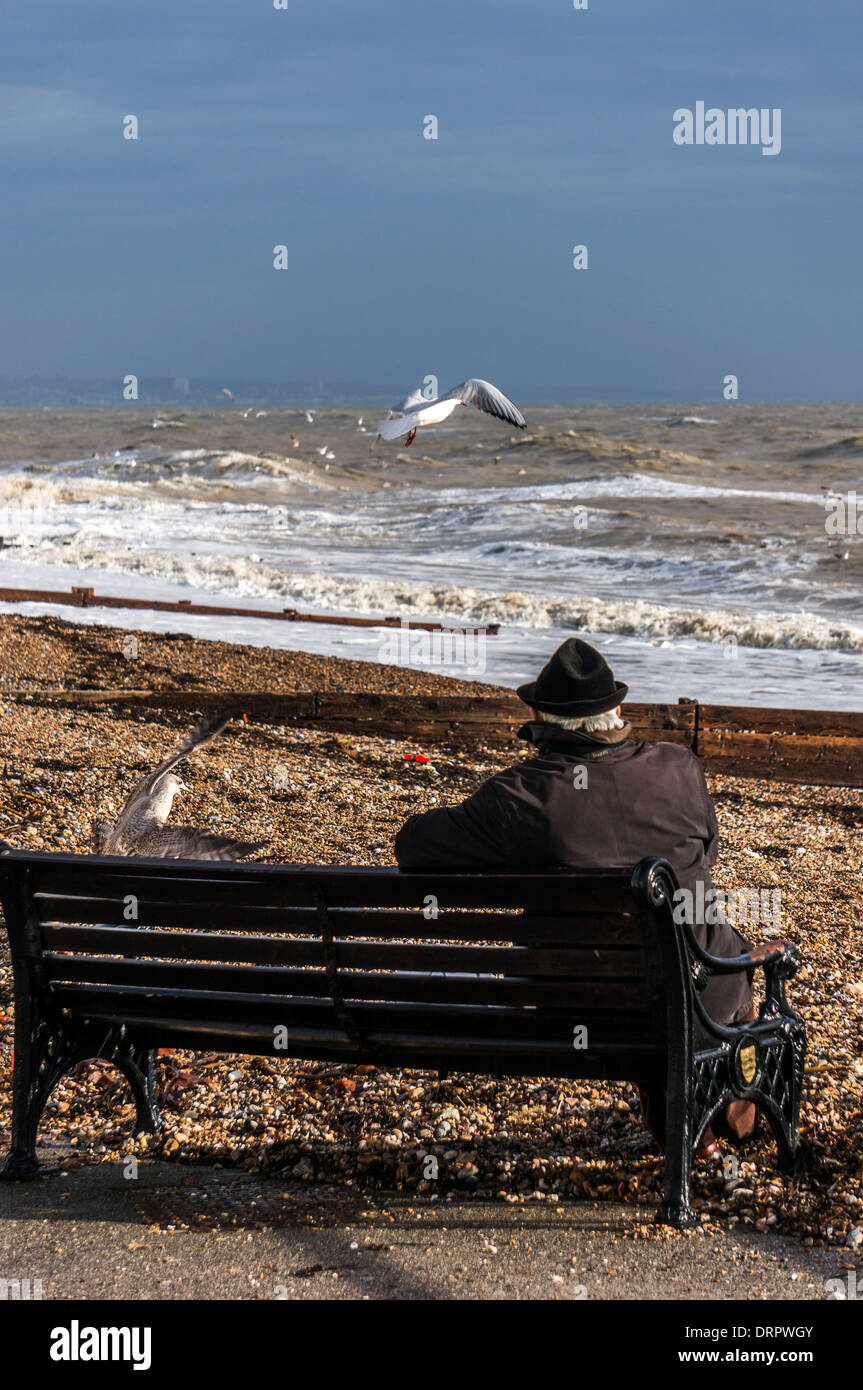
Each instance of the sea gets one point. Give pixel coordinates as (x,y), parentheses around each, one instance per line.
(712,551)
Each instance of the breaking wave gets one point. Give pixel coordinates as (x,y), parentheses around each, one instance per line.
(250,578)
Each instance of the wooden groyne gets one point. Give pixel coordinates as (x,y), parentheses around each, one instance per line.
(77,597)
(787,745)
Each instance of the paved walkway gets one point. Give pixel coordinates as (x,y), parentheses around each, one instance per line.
(91,1234)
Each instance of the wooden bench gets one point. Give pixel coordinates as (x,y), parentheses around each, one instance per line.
(489,973)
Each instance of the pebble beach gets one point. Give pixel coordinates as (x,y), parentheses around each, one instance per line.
(313,796)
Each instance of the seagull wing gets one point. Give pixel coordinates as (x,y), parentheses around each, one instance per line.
(202,733)
(187,842)
(394,429)
(416,398)
(484,396)
(400,421)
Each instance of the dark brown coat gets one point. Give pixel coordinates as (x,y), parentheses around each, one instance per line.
(583,804)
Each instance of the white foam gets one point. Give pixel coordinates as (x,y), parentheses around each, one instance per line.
(248,576)
(655,669)
(622,485)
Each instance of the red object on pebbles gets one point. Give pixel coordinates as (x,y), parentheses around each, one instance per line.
(422,758)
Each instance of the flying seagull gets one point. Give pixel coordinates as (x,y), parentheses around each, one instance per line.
(141,829)
(417,410)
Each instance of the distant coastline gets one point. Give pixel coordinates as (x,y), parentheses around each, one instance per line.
(67,392)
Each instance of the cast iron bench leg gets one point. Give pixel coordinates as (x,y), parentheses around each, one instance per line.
(43,1052)
(676,1209)
(781,1103)
(139,1068)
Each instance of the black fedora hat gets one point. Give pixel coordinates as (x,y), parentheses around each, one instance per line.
(575,682)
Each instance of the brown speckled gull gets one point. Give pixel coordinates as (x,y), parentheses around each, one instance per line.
(141,829)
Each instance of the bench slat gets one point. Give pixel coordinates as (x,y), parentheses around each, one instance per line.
(353,983)
(360,955)
(253,885)
(613,1060)
(191,945)
(590,929)
(179,945)
(614,1009)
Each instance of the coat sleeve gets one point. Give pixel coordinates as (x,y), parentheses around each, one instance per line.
(478,834)
(711,837)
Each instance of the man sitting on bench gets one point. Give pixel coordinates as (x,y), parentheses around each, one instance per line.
(593,797)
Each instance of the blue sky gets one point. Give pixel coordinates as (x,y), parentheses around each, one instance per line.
(410,256)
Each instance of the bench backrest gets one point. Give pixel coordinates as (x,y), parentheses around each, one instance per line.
(491,972)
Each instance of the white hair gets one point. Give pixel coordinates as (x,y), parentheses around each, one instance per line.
(592,724)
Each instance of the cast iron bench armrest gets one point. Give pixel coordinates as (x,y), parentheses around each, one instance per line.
(780,961)
(782,957)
